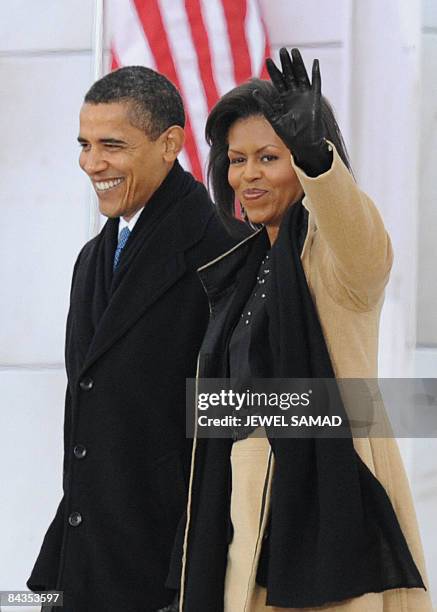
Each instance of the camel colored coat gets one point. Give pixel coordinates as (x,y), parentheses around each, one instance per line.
(347,257)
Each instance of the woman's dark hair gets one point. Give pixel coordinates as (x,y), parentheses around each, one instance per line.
(239,103)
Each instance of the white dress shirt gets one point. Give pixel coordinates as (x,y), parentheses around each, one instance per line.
(130,224)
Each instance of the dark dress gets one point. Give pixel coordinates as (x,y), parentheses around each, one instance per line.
(252,318)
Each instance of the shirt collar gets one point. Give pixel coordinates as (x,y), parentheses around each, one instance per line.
(130,224)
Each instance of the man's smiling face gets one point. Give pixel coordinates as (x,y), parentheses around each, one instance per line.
(125,166)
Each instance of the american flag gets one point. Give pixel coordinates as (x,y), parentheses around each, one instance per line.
(205,47)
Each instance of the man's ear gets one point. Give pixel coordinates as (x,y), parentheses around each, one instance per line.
(174,138)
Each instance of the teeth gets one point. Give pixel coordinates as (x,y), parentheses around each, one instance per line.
(103,185)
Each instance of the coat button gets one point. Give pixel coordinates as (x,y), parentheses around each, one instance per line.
(75,519)
(86,384)
(79,451)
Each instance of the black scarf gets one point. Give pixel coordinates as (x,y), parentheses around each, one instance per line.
(333,533)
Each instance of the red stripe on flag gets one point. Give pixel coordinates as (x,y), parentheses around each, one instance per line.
(201,43)
(115,63)
(235,13)
(153,26)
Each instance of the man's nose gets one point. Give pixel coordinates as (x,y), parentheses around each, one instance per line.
(92,162)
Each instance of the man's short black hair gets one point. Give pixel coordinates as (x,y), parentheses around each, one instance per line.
(154,102)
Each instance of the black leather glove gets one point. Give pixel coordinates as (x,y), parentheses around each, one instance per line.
(296,116)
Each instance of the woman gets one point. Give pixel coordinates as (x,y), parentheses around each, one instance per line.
(285,524)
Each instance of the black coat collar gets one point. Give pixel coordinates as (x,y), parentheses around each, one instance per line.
(223,271)
(150,268)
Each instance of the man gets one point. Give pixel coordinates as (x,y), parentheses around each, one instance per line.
(137,316)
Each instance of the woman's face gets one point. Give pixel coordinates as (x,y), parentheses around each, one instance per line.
(260,172)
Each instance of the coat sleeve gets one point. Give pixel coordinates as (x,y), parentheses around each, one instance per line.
(357,249)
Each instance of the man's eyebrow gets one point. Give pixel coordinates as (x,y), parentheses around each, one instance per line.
(104,140)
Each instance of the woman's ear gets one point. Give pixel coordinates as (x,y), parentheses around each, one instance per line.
(174,138)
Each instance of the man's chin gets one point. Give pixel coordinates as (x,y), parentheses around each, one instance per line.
(108,211)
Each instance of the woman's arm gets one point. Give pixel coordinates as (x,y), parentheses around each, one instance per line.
(359,252)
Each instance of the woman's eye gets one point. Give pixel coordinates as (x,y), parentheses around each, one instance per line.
(268,157)
(236,160)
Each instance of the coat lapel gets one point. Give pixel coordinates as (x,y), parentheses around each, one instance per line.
(156,267)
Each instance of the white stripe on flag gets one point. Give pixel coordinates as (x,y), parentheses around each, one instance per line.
(184,55)
(221,53)
(255,36)
(184,161)
(130,44)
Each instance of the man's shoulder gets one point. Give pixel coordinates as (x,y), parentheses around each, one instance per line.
(89,246)
(197,208)
(218,238)
(87,249)
(202,227)
(232,233)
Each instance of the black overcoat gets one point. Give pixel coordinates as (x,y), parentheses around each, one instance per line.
(126,462)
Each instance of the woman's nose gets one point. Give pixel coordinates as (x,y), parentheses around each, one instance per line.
(252,170)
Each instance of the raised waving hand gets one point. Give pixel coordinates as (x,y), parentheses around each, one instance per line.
(296,116)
